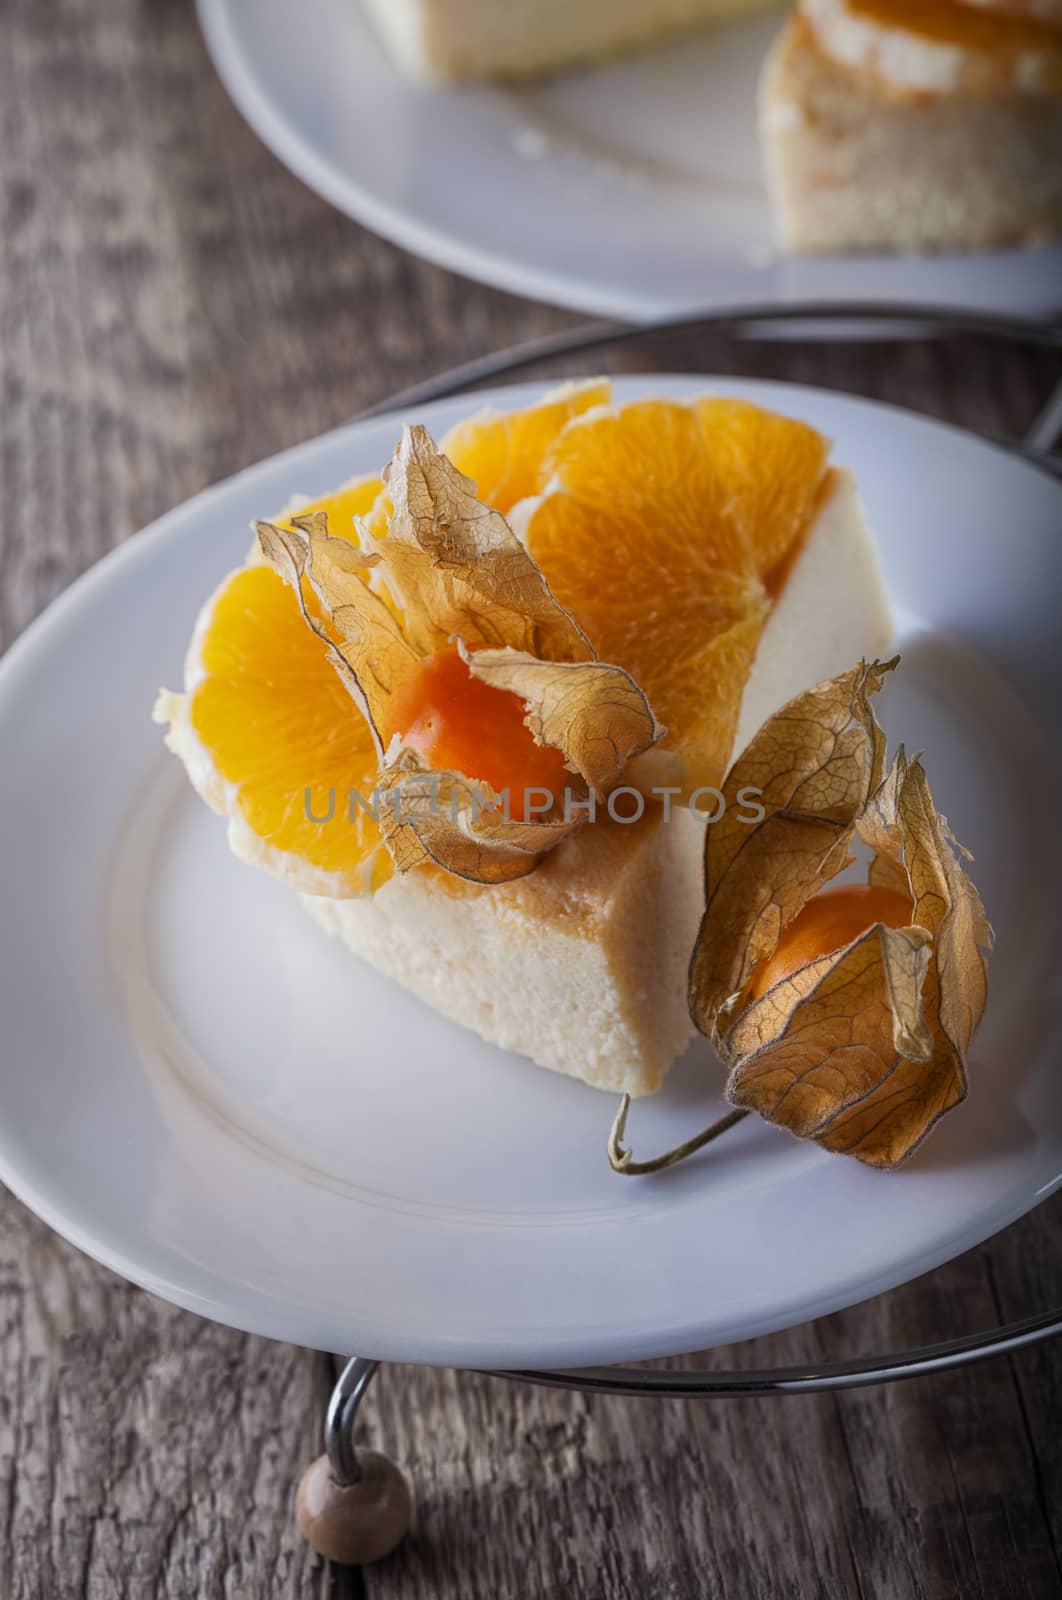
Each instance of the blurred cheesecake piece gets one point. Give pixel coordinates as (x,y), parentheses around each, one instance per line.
(1038,10)
(446,40)
(899,138)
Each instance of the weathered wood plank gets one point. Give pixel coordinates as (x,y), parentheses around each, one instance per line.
(143,1451)
(1029,1276)
(174,304)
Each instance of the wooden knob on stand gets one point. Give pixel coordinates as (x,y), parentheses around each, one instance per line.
(354,1523)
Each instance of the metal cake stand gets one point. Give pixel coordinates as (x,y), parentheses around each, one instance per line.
(354,1505)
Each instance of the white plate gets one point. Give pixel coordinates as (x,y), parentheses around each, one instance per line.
(365,1176)
(631,191)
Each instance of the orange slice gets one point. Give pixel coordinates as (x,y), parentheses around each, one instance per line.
(502,452)
(270,736)
(938,47)
(354,499)
(661,528)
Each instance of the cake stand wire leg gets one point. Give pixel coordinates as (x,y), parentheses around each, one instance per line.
(343,1406)
(353,1506)
(1046,429)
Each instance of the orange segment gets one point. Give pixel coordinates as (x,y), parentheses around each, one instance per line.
(276,721)
(704,700)
(353,500)
(503,452)
(659,529)
(769,470)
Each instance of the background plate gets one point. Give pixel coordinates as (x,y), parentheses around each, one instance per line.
(369,1177)
(633,190)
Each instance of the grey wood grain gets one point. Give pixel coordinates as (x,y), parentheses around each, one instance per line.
(174,305)
(142,1451)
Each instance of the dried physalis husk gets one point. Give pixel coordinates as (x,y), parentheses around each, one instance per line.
(864,1048)
(813,767)
(455,567)
(450,568)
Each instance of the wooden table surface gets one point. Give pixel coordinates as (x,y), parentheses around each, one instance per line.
(174,306)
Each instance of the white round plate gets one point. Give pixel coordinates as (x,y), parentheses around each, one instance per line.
(631,191)
(207,1094)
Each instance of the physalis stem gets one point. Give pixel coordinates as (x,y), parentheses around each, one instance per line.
(619,1158)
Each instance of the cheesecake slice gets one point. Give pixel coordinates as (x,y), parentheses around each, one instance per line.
(860,160)
(447,40)
(695,563)
(582,964)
